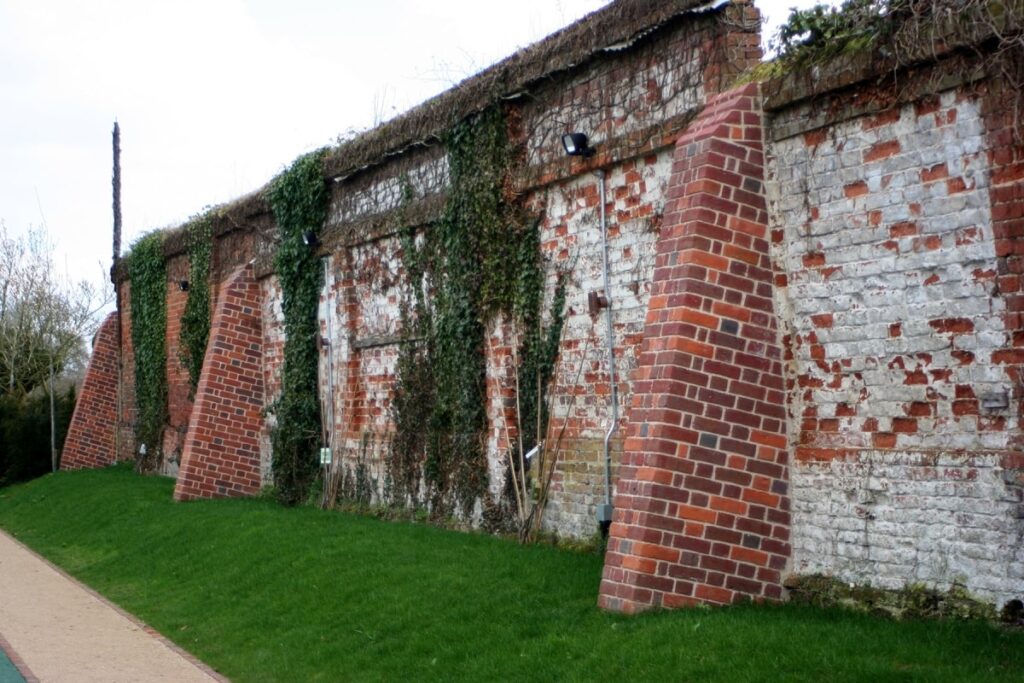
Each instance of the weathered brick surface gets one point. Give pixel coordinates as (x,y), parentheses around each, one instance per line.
(361,304)
(127,413)
(702,507)
(90,439)
(883,226)
(272,368)
(651,91)
(893,518)
(580,393)
(889,251)
(1005,152)
(179,403)
(900,333)
(222,450)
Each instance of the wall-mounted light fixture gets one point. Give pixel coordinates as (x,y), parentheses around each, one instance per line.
(575,145)
(183,285)
(310,239)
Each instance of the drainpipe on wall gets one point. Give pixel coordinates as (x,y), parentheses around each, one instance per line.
(604,511)
(328,343)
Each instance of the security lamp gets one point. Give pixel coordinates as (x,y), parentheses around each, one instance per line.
(576,145)
(310,239)
(183,285)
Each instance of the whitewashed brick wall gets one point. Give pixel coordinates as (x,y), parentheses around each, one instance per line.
(571,239)
(883,231)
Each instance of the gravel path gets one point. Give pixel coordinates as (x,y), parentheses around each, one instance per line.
(55,629)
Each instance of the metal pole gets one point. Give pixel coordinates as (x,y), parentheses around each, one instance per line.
(329,432)
(604,512)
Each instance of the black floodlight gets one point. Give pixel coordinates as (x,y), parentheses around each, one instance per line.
(576,145)
(310,239)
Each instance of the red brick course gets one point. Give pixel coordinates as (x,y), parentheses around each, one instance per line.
(1006,156)
(221,456)
(702,507)
(90,441)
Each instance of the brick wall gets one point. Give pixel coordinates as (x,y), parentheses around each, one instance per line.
(632,103)
(90,440)
(221,456)
(702,507)
(1005,151)
(883,276)
(179,403)
(126,410)
(272,367)
(901,333)
(580,393)
(364,292)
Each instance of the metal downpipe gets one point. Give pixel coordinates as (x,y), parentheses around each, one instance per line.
(604,512)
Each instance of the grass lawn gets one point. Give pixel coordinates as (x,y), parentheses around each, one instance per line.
(261,593)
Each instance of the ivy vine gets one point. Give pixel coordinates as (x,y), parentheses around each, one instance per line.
(414,395)
(538,344)
(481,259)
(455,469)
(148,274)
(195,321)
(299,201)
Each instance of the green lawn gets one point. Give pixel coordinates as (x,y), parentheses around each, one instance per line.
(264,593)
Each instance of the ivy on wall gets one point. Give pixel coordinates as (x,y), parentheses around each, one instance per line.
(299,200)
(538,345)
(148,274)
(481,259)
(414,395)
(195,321)
(456,464)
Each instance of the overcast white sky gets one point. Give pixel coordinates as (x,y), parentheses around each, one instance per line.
(216,96)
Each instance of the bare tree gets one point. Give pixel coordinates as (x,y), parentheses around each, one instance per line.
(44,318)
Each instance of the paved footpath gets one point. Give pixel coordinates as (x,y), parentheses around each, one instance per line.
(55,629)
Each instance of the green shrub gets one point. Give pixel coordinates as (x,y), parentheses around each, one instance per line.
(25,433)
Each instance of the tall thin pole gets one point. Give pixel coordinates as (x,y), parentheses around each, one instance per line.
(116,186)
(116,182)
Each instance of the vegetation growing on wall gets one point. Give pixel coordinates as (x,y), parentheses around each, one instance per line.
(148,274)
(903,31)
(463,245)
(538,345)
(482,259)
(823,31)
(413,400)
(195,322)
(913,601)
(299,201)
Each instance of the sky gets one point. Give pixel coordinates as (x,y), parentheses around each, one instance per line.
(214,97)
